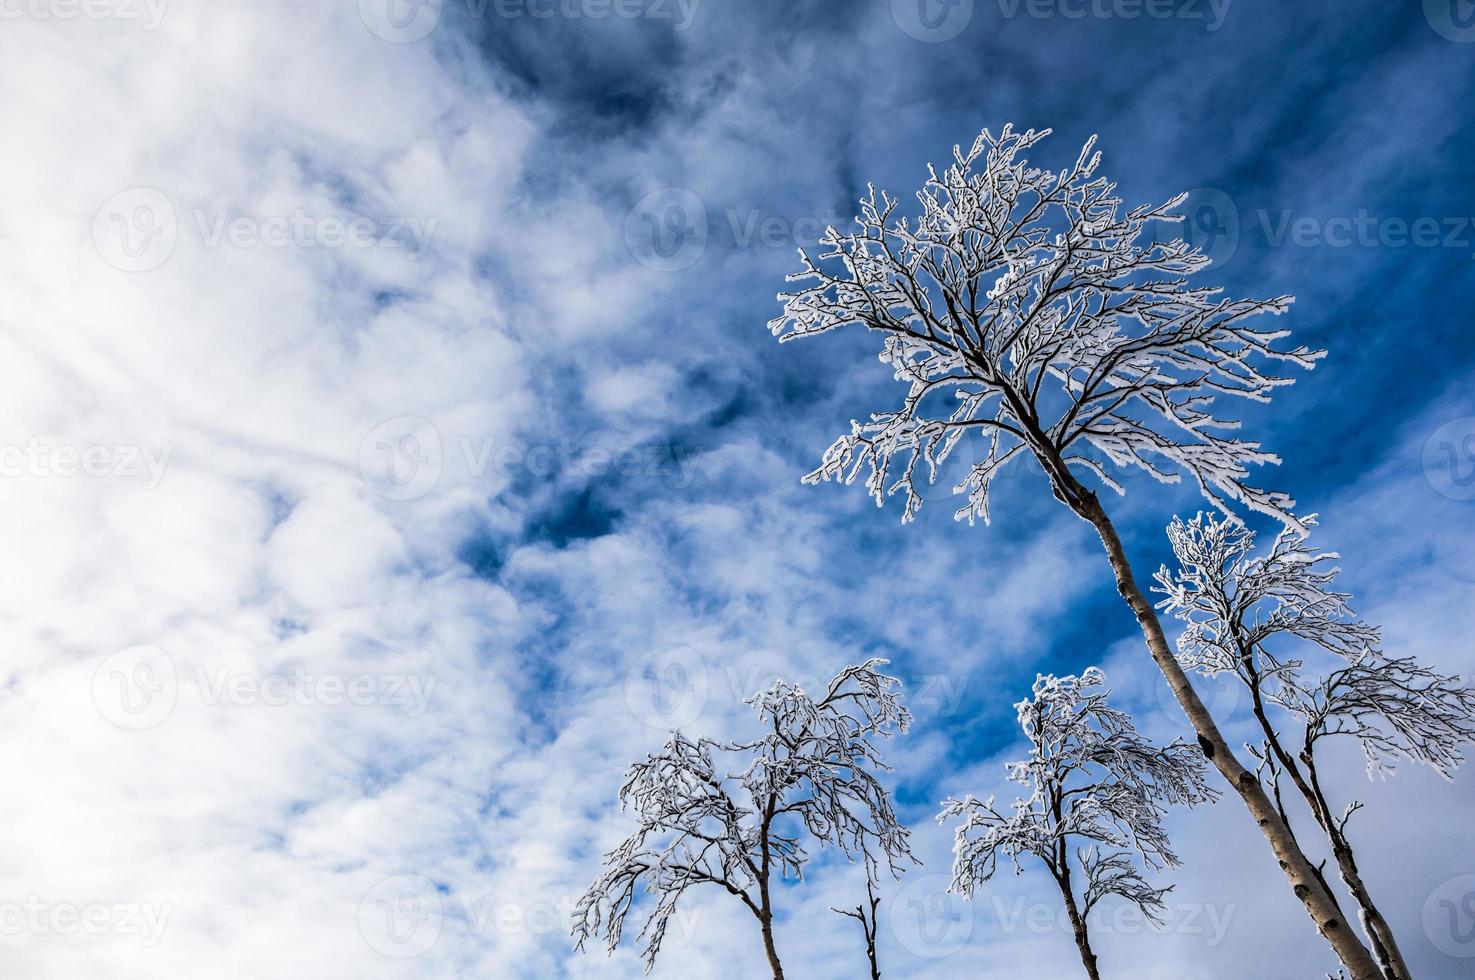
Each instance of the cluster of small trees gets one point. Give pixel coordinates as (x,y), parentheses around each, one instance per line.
(1030,315)
(812,777)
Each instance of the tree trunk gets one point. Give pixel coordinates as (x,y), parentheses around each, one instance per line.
(765,917)
(1390,957)
(870,931)
(765,906)
(768,947)
(867,922)
(1078,926)
(1380,935)
(1385,947)
(1314,895)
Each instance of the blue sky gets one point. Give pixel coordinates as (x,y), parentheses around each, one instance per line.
(448,324)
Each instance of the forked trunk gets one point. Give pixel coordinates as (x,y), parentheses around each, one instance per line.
(1306,884)
(1385,947)
(1380,935)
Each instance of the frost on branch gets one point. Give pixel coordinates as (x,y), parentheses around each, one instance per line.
(734,814)
(1095,784)
(818,762)
(1242,610)
(1027,310)
(1395,707)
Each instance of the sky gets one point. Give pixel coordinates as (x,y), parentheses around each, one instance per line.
(394,449)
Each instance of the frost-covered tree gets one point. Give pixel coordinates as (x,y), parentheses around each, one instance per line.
(1029,314)
(1098,792)
(1275,622)
(811,777)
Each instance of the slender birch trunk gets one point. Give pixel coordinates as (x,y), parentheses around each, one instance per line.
(1380,935)
(1385,947)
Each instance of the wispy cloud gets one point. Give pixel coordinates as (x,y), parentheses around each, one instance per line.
(392,449)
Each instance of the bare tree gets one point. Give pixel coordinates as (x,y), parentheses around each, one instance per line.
(1093,780)
(811,776)
(1026,311)
(865,914)
(1242,610)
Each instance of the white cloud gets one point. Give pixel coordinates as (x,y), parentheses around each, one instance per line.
(269,809)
